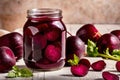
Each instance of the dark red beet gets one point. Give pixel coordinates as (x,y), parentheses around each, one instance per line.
(98,65)
(116,33)
(88,31)
(118,66)
(53,34)
(108,41)
(79,70)
(85,62)
(39,41)
(42,27)
(74,45)
(109,76)
(7,59)
(52,53)
(14,41)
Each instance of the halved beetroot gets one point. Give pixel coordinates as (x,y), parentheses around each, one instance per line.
(79,70)
(52,53)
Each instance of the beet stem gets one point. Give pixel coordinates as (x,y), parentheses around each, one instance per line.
(109,57)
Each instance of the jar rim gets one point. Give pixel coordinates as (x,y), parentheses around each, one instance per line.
(39,12)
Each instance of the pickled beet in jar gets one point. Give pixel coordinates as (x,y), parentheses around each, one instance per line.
(44,38)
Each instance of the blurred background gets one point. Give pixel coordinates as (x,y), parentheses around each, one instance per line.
(13,12)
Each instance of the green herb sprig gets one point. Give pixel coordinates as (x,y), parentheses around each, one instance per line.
(74,61)
(92,51)
(19,72)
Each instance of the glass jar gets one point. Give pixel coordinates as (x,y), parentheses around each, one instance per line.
(44,38)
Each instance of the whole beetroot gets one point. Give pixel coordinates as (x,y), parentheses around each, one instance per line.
(7,59)
(109,41)
(74,45)
(88,31)
(14,41)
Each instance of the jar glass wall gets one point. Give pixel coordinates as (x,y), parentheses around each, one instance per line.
(44,37)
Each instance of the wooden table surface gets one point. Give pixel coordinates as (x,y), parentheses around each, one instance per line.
(64,73)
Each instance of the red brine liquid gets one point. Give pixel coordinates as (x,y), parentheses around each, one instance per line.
(44,42)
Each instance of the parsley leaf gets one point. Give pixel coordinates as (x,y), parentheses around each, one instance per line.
(74,61)
(92,51)
(19,72)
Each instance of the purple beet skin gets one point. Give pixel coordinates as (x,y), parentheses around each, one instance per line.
(116,33)
(74,45)
(7,59)
(88,31)
(108,41)
(14,41)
